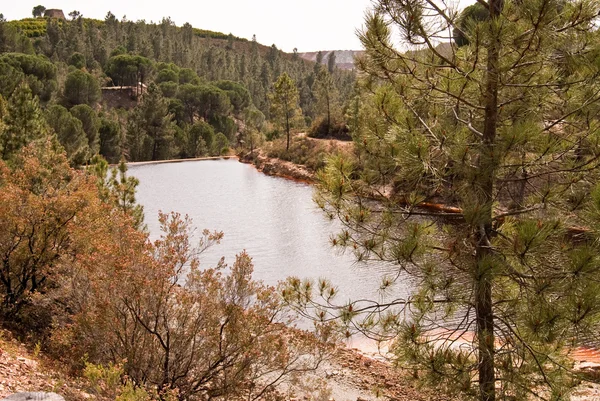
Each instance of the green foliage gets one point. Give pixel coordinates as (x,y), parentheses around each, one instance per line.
(206,76)
(331,62)
(468,20)
(10,77)
(29,28)
(77,60)
(168,88)
(118,189)
(253,135)
(39,73)
(196,140)
(23,122)
(167,73)
(150,128)
(104,380)
(327,96)
(38,11)
(224,124)
(203,101)
(203,33)
(284,103)
(188,76)
(81,88)
(322,129)
(177,109)
(237,93)
(70,134)
(220,145)
(110,139)
(128,70)
(90,124)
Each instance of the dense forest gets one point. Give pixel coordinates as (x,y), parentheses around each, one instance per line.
(147,91)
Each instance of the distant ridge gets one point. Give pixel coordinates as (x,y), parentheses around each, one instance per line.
(344,59)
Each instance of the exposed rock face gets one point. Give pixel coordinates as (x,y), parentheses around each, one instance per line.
(34,396)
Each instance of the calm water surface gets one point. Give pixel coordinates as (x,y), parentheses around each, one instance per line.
(273,219)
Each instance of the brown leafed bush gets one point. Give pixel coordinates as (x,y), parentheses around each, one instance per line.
(206,333)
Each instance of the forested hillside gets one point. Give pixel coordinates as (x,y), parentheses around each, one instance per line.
(182,91)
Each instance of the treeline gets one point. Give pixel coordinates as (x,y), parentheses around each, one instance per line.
(203,92)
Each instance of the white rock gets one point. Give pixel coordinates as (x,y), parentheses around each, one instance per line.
(34,396)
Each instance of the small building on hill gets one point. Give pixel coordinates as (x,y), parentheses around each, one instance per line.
(54,13)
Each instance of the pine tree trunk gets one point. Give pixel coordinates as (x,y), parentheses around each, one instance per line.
(155,150)
(287,130)
(485,181)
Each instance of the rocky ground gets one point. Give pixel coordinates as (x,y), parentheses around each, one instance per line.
(350,375)
(353,376)
(23,369)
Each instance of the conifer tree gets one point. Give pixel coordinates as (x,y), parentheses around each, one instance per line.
(90,123)
(284,102)
(476,176)
(38,11)
(81,88)
(331,62)
(150,128)
(327,97)
(70,134)
(23,120)
(118,189)
(110,139)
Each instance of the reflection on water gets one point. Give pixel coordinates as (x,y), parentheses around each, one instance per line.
(274,219)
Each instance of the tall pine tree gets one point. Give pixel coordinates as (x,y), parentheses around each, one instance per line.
(476,176)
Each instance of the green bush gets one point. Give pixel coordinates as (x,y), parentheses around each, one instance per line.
(337,130)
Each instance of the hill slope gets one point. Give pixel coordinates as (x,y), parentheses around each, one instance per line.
(344,59)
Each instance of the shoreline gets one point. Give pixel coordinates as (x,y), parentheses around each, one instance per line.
(276,167)
(195,159)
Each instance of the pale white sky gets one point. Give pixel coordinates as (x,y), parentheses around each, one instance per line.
(308,25)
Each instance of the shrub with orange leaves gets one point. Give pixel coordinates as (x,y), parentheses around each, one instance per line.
(75,265)
(202,332)
(42,202)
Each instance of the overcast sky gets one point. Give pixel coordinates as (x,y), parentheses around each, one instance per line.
(308,25)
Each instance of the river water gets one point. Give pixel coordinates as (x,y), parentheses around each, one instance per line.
(273,219)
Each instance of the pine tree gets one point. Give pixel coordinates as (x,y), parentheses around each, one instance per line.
(327,97)
(70,134)
(284,103)
(38,11)
(476,175)
(90,123)
(331,62)
(23,120)
(150,128)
